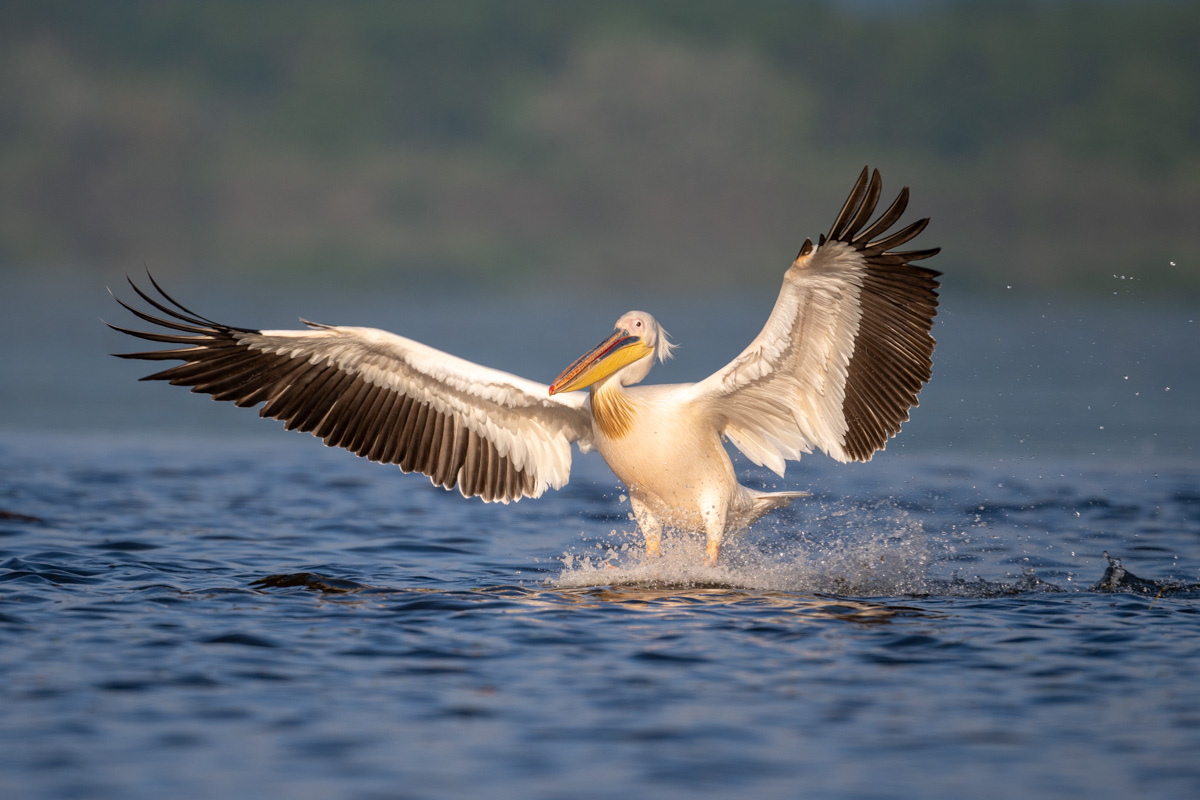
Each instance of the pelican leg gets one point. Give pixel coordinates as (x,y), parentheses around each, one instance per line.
(712,552)
(653,543)
(714,525)
(651,528)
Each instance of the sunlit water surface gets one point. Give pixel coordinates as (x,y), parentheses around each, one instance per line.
(209,614)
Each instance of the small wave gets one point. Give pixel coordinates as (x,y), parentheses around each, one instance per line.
(309,580)
(1118,579)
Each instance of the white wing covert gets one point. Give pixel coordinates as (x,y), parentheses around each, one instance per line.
(390,399)
(846,349)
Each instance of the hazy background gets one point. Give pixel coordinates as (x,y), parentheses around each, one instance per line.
(503,179)
(530,143)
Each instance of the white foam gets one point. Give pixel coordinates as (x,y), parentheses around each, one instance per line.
(872,552)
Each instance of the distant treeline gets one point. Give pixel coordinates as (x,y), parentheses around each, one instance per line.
(1055,143)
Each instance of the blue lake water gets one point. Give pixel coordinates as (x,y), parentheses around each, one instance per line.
(927,625)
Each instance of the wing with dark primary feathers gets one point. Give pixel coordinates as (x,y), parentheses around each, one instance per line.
(846,349)
(493,435)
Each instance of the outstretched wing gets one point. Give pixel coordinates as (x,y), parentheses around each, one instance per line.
(390,399)
(846,349)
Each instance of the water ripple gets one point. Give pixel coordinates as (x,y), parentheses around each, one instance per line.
(184,623)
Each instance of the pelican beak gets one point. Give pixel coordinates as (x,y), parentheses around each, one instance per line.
(604,359)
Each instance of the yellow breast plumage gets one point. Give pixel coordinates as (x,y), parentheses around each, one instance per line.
(612,411)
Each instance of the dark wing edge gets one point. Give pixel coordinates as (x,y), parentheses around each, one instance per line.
(893,351)
(333,401)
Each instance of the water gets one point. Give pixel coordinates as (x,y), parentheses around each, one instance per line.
(926,625)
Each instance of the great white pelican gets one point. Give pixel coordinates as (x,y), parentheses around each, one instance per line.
(838,365)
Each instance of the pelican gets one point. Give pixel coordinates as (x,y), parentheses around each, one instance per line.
(838,365)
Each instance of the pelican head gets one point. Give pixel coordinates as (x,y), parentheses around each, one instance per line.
(629,353)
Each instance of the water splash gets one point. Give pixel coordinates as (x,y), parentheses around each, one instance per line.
(865,552)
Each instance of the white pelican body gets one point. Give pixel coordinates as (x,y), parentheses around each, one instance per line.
(672,459)
(839,363)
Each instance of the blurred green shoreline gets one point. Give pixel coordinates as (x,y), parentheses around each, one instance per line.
(583,146)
